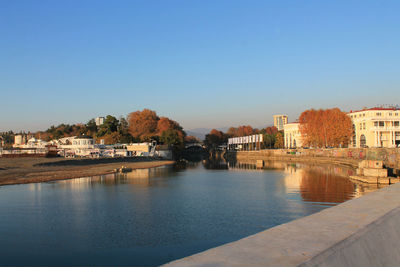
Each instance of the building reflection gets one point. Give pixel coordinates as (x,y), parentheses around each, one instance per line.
(313,183)
(137,177)
(320,183)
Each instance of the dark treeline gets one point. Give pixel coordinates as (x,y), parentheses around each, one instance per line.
(272,137)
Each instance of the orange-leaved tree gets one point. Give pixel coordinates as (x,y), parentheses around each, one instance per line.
(143,124)
(325,128)
(240,131)
(271,130)
(146,125)
(244,130)
(170,132)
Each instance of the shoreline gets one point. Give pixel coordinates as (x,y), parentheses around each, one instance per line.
(37,170)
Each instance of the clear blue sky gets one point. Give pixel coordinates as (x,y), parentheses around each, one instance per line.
(202,63)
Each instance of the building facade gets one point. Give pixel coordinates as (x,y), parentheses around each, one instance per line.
(280,121)
(99,121)
(292,135)
(376,127)
(250,142)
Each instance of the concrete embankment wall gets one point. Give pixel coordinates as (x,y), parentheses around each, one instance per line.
(360,232)
(349,156)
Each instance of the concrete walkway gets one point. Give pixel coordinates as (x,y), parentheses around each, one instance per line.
(360,232)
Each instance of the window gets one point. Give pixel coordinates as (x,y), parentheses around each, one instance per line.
(390,114)
(363,141)
(378,114)
(363,114)
(396,124)
(376,124)
(381,124)
(396,114)
(364,125)
(360,126)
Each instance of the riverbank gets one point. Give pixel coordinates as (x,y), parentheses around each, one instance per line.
(280,156)
(36,170)
(340,158)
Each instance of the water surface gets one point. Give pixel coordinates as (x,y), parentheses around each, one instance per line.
(152,216)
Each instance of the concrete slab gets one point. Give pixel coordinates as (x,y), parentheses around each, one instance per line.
(375,172)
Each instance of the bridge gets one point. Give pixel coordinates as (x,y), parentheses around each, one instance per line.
(194,145)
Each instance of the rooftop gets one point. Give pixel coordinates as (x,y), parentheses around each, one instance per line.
(376,108)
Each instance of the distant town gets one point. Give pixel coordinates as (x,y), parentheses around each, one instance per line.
(143,133)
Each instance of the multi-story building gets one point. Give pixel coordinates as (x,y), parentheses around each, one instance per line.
(280,121)
(376,127)
(99,121)
(292,135)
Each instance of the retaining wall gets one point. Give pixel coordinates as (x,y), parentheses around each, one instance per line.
(350,156)
(360,232)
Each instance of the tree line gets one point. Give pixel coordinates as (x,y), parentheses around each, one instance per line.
(272,138)
(138,126)
(319,128)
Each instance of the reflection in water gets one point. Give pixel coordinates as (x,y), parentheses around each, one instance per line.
(137,177)
(323,184)
(215,164)
(320,186)
(151,216)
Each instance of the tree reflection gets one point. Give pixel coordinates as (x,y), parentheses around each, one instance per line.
(322,183)
(318,186)
(215,164)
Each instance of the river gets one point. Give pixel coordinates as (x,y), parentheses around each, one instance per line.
(152,216)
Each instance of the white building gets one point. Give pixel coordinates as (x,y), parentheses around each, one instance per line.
(376,127)
(18,140)
(31,143)
(292,135)
(280,121)
(99,121)
(83,146)
(142,149)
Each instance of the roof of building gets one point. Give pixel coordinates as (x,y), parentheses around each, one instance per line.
(83,137)
(376,108)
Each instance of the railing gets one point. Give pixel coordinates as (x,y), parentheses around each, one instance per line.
(386,128)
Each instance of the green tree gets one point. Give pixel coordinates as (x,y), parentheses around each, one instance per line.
(109,126)
(91,128)
(269,140)
(215,138)
(123,129)
(279,142)
(171,137)
(8,138)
